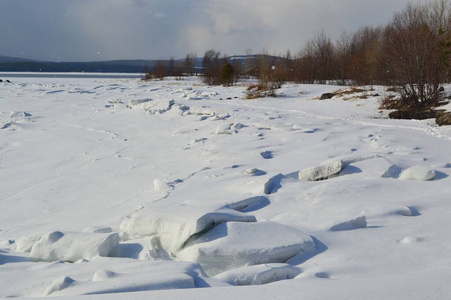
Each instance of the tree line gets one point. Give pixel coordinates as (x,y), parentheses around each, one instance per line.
(411,53)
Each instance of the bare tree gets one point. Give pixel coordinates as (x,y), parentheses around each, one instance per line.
(171,66)
(365,63)
(189,64)
(212,66)
(159,70)
(343,57)
(305,70)
(416,49)
(323,56)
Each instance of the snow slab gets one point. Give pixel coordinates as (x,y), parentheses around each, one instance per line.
(233,245)
(323,171)
(175,228)
(72,246)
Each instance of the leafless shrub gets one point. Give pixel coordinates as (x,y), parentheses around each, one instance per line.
(417,49)
(159,71)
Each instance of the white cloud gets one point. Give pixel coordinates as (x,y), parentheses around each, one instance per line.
(77,30)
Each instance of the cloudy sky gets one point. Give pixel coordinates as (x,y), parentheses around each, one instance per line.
(87,30)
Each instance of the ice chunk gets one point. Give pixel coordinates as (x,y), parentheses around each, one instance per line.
(233,245)
(72,246)
(19,115)
(223,129)
(161,186)
(359,222)
(102,275)
(135,102)
(58,285)
(323,171)
(148,248)
(259,274)
(25,243)
(418,173)
(174,229)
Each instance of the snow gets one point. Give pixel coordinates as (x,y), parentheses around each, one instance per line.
(175,228)
(417,172)
(72,246)
(232,245)
(173,181)
(323,171)
(259,274)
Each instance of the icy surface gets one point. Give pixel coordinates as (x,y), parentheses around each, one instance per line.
(175,161)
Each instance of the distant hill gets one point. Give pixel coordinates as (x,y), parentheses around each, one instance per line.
(13,64)
(8,59)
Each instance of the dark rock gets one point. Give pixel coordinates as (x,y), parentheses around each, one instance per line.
(326,96)
(441,89)
(8,81)
(413,114)
(443,119)
(1,80)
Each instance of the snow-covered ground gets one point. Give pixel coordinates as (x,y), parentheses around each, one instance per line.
(174,189)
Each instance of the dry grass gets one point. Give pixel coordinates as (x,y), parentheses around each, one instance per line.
(390,102)
(350,91)
(254,91)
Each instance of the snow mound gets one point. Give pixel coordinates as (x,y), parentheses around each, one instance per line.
(25,243)
(58,285)
(102,275)
(197,141)
(148,248)
(147,277)
(97,229)
(323,171)
(359,222)
(250,204)
(259,274)
(18,115)
(273,184)
(405,211)
(233,245)
(152,106)
(72,246)
(417,172)
(223,129)
(161,186)
(134,283)
(348,159)
(409,240)
(175,229)
(135,103)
